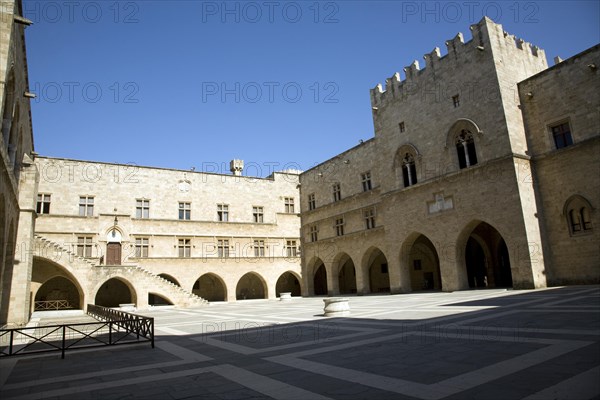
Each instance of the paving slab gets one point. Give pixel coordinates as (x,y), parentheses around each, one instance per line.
(479,344)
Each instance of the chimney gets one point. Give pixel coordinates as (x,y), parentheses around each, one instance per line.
(236,167)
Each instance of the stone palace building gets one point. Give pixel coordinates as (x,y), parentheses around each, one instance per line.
(483,172)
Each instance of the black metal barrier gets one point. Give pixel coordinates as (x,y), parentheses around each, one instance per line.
(116,327)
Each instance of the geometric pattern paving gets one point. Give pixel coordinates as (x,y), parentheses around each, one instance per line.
(481,344)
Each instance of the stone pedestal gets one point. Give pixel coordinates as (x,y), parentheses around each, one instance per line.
(336,307)
(285,296)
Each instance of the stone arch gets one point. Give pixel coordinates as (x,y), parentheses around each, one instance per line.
(210,287)
(251,286)
(485,256)
(317,277)
(375,265)
(114,291)
(289,281)
(345,272)
(419,258)
(169,278)
(155,299)
(58,293)
(44,270)
(459,125)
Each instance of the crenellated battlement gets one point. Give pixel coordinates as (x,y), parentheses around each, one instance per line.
(485,35)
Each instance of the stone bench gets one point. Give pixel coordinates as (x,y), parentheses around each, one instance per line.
(336,307)
(285,296)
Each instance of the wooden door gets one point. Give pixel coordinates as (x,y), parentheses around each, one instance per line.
(113,254)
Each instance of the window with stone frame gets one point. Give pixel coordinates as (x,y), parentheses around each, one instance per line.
(291,248)
(259,248)
(184,248)
(339,226)
(311,202)
(402,127)
(409,170)
(289,205)
(86,206)
(258,214)
(84,246)
(465,149)
(456,100)
(223,248)
(337,192)
(43,204)
(185,211)
(142,208)
(222,212)
(369,215)
(366,181)
(314,233)
(578,215)
(141,247)
(561,134)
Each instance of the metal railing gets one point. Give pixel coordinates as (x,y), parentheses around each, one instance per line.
(52,305)
(118,327)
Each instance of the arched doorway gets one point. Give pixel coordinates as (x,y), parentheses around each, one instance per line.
(320,280)
(424,265)
(57,293)
(250,286)
(169,278)
(487,259)
(210,287)
(379,277)
(113,247)
(288,282)
(114,292)
(346,275)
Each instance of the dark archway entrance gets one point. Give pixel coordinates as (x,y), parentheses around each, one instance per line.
(487,259)
(250,286)
(379,276)
(58,293)
(210,287)
(158,300)
(114,292)
(347,276)
(424,265)
(287,282)
(169,278)
(320,280)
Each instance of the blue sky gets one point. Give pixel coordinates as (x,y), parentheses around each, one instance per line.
(280,84)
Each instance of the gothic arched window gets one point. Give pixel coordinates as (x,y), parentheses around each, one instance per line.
(465,149)
(578,215)
(409,171)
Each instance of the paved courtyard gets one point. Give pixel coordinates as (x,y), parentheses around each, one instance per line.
(486,344)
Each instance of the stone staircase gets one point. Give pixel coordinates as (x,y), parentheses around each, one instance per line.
(143,280)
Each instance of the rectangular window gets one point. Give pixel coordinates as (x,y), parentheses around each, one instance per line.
(185,211)
(291,250)
(401,127)
(222,212)
(86,206)
(223,248)
(258,214)
(142,208)
(366,181)
(43,204)
(259,248)
(562,135)
(311,201)
(289,205)
(339,227)
(456,101)
(141,247)
(184,247)
(337,192)
(84,246)
(314,233)
(369,218)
